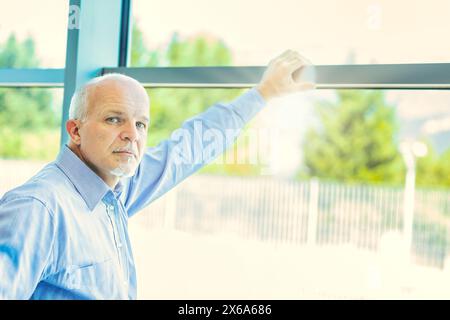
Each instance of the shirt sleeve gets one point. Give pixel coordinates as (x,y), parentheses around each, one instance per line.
(26,238)
(199,141)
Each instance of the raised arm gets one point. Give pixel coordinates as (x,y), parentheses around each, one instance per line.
(204,137)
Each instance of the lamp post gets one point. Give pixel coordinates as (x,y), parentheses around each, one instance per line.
(410,150)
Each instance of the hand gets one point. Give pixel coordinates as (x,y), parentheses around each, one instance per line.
(278,79)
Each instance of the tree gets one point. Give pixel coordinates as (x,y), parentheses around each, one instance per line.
(356,141)
(433,170)
(15,54)
(170,107)
(23,112)
(200,50)
(140,55)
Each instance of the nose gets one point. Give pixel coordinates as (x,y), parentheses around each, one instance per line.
(129,132)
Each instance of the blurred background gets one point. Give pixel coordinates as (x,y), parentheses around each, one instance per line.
(332,194)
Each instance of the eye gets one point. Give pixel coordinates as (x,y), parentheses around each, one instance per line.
(113,120)
(141,125)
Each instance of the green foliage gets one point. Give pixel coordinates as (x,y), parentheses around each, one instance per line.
(24,113)
(433,170)
(42,144)
(140,55)
(16,54)
(198,51)
(356,140)
(11,145)
(26,109)
(170,107)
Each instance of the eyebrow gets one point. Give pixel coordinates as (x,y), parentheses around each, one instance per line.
(120,113)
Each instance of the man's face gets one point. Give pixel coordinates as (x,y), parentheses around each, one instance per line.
(114,134)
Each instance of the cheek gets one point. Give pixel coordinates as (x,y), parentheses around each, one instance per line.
(142,143)
(101,138)
(105,137)
(97,139)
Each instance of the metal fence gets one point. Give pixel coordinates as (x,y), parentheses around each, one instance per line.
(311,213)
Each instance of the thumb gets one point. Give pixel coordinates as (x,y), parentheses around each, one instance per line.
(305,86)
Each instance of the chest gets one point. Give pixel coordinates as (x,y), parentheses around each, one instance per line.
(93,253)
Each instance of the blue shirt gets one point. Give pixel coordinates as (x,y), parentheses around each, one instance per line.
(63,234)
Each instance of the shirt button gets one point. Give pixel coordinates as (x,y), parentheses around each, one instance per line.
(119,245)
(111,208)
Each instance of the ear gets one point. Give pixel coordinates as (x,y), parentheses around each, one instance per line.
(72,127)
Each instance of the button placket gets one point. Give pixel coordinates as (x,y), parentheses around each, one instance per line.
(117,239)
(110,212)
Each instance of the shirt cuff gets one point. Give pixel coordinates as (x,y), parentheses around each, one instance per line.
(249,104)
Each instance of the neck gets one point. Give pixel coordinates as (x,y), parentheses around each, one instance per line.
(110,180)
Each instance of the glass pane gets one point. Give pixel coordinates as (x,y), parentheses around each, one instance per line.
(271,220)
(330,188)
(390,118)
(327,32)
(35,32)
(30,122)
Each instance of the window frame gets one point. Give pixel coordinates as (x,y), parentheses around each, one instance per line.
(417,76)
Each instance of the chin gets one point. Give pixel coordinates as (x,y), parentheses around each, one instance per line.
(123,172)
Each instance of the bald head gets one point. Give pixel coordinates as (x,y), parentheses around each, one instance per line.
(108,125)
(105,89)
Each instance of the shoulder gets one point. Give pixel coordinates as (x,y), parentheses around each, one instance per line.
(42,190)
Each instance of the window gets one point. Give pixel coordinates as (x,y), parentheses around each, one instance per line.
(230,218)
(327,32)
(331,194)
(32,133)
(30,120)
(43,39)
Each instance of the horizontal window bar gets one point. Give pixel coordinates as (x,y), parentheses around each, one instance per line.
(387,76)
(377,76)
(46,78)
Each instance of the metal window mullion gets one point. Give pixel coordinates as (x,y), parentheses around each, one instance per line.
(43,78)
(393,76)
(94,43)
(125,34)
(403,76)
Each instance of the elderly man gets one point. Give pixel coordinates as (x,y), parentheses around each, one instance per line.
(63,234)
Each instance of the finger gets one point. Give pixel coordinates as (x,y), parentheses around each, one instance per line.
(295,54)
(284,56)
(306,86)
(305,60)
(294,65)
(296,74)
(288,53)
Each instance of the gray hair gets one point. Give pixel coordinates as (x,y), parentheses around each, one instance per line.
(79,103)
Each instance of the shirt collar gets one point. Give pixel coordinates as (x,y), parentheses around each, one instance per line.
(88,184)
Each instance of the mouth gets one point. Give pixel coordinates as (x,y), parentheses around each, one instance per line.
(125,153)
